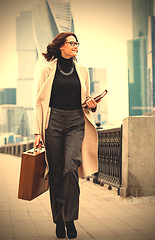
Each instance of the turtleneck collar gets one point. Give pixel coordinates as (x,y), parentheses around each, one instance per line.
(64,62)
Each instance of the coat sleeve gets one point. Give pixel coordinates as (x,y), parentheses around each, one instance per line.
(38,112)
(41,80)
(88,90)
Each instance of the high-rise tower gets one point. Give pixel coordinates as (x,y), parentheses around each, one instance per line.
(49,18)
(151,59)
(27,56)
(141,10)
(138,82)
(98,83)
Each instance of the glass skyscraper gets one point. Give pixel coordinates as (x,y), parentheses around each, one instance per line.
(140,90)
(14,120)
(27,56)
(151,59)
(141,10)
(98,83)
(49,18)
(8,96)
(137,76)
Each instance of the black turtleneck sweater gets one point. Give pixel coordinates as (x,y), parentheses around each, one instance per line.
(66,90)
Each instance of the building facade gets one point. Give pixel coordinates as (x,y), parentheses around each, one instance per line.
(8,96)
(15,120)
(98,83)
(139,84)
(141,10)
(27,56)
(49,18)
(137,77)
(151,59)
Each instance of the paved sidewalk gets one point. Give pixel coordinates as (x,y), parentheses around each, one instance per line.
(103,214)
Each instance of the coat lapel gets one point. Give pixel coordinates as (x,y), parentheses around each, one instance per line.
(47,86)
(83,86)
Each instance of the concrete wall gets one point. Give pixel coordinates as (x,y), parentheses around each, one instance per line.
(138,157)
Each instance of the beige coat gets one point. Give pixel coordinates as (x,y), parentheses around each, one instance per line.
(90,142)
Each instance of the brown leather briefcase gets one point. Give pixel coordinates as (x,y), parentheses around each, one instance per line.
(32,182)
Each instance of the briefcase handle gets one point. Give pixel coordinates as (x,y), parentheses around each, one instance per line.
(40,147)
(36,149)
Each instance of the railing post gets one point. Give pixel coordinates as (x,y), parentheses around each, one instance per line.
(138,156)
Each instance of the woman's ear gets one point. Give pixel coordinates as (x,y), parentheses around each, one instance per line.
(60,48)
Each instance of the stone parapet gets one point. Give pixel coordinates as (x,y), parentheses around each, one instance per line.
(138,157)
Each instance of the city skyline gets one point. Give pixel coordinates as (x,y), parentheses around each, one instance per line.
(96,50)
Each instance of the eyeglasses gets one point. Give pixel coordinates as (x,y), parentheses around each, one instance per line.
(74,43)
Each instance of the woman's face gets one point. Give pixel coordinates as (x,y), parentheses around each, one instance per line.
(69,49)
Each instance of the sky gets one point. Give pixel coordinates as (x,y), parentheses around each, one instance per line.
(103,28)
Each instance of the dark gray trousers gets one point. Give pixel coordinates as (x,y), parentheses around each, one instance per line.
(64,137)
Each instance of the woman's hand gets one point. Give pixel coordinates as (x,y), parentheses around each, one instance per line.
(37,140)
(91,103)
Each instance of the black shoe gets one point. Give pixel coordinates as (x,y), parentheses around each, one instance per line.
(60,230)
(71,230)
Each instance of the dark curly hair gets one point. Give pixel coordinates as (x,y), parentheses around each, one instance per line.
(53,50)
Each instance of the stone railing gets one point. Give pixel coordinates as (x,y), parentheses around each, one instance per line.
(17,149)
(109,158)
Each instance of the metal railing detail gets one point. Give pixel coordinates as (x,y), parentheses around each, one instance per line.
(109,157)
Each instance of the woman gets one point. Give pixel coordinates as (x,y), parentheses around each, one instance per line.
(67,131)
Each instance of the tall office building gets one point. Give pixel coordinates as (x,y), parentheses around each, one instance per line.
(49,18)
(27,56)
(137,76)
(138,83)
(8,96)
(141,10)
(35,30)
(14,120)
(151,60)
(98,83)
